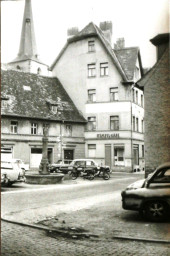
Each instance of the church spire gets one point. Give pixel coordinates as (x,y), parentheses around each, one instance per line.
(28,46)
(27,59)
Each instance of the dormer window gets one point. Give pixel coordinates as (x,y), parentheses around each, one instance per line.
(54,108)
(4,103)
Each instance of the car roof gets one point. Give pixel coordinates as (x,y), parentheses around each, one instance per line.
(164,165)
(85,159)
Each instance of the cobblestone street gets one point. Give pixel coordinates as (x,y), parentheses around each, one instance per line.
(25,241)
(73,207)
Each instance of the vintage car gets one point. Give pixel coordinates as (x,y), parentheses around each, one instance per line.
(90,165)
(21,163)
(11,172)
(55,167)
(150,196)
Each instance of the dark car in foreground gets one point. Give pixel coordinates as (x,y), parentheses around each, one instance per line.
(150,196)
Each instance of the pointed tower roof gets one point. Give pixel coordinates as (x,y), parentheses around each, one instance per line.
(28,48)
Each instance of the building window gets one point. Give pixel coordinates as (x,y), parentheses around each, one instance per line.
(142,100)
(34,128)
(119,156)
(136,97)
(91,126)
(91,46)
(113,93)
(104,69)
(18,67)
(92,150)
(91,70)
(143,151)
(14,127)
(142,126)
(39,71)
(54,108)
(137,124)
(133,95)
(69,130)
(114,123)
(92,95)
(133,123)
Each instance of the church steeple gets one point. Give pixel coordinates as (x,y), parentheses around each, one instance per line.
(28,47)
(27,59)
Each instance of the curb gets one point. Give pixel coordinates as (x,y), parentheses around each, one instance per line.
(61,233)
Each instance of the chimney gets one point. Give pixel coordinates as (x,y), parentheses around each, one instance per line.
(106,27)
(72,32)
(161,41)
(120,43)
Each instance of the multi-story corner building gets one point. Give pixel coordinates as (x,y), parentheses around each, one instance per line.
(28,59)
(157,106)
(101,82)
(28,103)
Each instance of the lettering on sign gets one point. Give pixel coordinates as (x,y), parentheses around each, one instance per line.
(108,136)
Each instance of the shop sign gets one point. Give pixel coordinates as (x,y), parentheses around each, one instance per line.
(108,136)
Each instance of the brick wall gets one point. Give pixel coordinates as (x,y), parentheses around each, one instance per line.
(157,115)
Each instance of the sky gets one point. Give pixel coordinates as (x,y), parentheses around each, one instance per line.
(136,20)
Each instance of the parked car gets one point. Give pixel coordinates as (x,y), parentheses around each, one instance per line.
(57,166)
(150,196)
(89,165)
(21,164)
(11,172)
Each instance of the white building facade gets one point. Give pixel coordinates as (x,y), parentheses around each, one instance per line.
(101,83)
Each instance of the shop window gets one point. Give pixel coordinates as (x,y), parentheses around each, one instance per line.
(91,70)
(34,128)
(91,46)
(91,126)
(14,127)
(68,130)
(104,69)
(119,155)
(114,123)
(92,150)
(114,94)
(92,95)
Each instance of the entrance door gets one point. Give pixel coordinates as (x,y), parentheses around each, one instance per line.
(68,155)
(136,154)
(108,155)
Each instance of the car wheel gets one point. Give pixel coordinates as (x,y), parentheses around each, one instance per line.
(74,175)
(106,176)
(91,176)
(156,210)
